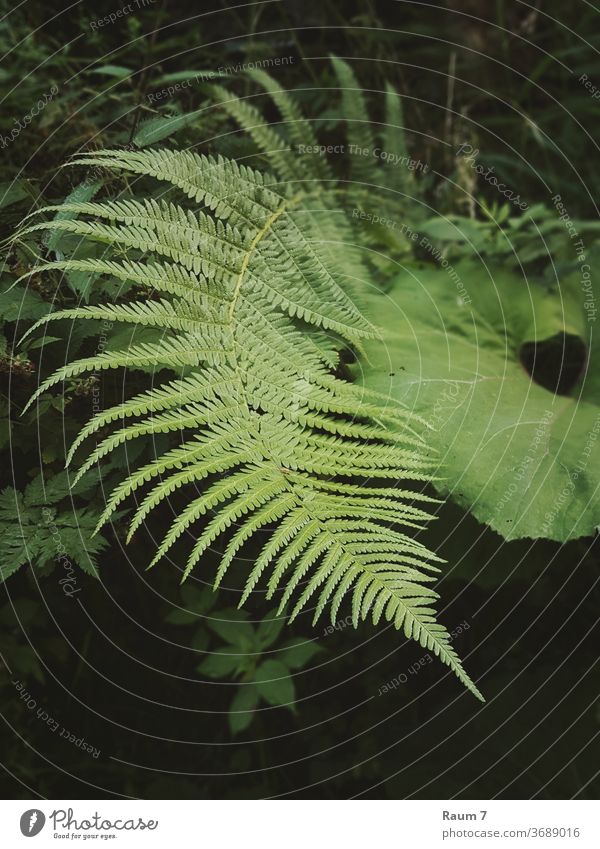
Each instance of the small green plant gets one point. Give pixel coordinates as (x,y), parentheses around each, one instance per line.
(245,658)
(250,654)
(46,533)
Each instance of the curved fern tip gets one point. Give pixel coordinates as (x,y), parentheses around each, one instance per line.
(476,692)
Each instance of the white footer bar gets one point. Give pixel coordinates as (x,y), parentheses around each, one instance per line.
(301,824)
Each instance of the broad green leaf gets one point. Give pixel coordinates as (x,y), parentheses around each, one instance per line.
(196,597)
(118,71)
(200,641)
(219,664)
(241,711)
(42,342)
(269,629)
(522,459)
(298,652)
(163,126)
(12,192)
(20,304)
(231,626)
(179,616)
(454,229)
(274,683)
(85,191)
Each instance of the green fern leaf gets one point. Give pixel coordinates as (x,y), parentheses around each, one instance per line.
(361,142)
(254,294)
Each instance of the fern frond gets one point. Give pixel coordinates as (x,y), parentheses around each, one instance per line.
(253,295)
(363,165)
(281,159)
(232,192)
(394,142)
(297,127)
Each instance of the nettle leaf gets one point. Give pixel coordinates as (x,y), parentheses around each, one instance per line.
(274,683)
(157,129)
(177,616)
(269,629)
(13,192)
(220,663)
(231,626)
(242,708)
(460,351)
(298,652)
(18,303)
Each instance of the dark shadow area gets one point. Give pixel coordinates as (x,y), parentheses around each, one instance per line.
(556,363)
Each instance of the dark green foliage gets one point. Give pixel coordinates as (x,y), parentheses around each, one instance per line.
(37,527)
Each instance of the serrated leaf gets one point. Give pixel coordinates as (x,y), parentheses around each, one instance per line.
(220,664)
(269,629)
(181,617)
(20,304)
(157,129)
(298,652)
(274,683)
(32,531)
(241,710)
(12,192)
(231,625)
